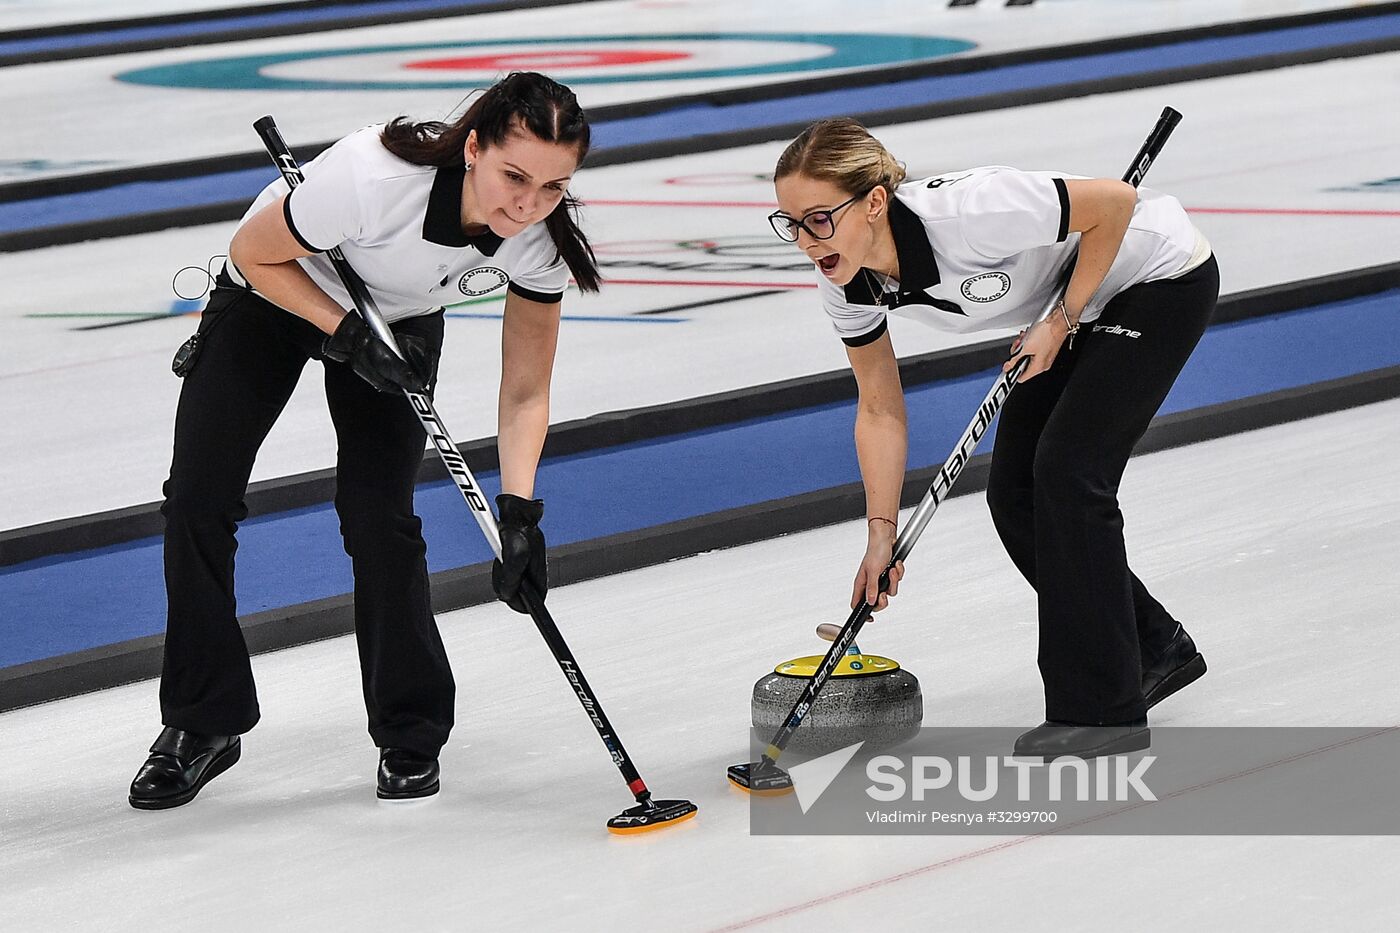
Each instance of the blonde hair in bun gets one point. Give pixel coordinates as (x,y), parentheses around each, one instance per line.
(842,152)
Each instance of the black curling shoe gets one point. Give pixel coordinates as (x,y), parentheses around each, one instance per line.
(179,766)
(1051,740)
(1178,666)
(404,775)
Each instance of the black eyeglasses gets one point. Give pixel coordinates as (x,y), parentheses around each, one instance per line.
(820,225)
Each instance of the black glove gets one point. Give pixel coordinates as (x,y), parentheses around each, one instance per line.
(371,358)
(522,550)
(421,357)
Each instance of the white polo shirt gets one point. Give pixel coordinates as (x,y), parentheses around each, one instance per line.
(399,226)
(984,249)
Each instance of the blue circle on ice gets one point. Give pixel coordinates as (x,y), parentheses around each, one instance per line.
(828,51)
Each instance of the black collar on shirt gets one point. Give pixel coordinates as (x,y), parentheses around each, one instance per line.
(442,222)
(917,268)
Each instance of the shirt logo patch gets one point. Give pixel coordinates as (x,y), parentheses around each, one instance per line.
(989,286)
(482,280)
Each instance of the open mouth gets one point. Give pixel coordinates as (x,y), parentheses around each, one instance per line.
(828,263)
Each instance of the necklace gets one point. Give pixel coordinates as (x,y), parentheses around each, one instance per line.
(881,288)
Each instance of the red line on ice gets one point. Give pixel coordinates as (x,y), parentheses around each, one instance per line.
(722,284)
(1292,213)
(1295,212)
(614,202)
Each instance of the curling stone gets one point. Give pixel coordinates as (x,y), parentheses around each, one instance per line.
(867,699)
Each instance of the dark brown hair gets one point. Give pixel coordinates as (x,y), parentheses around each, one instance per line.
(541,105)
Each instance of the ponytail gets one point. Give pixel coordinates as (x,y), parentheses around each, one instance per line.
(572,245)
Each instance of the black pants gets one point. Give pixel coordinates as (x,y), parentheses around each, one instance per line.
(252,356)
(1061,447)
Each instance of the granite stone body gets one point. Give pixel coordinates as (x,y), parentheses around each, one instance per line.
(880,709)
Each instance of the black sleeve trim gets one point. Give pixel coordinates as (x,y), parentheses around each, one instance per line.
(1064,209)
(291,225)
(544,298)
(868,338)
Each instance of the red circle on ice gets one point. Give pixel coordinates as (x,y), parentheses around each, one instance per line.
(548,61)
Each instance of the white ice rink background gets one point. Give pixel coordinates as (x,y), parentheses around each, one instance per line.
(1275,547)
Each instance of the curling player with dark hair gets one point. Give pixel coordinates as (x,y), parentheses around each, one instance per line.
(426,213)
